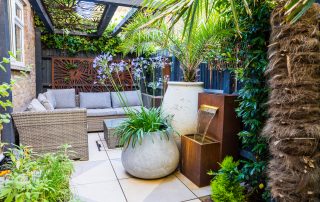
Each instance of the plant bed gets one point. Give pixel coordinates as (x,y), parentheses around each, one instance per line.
(199,157)
(32,177)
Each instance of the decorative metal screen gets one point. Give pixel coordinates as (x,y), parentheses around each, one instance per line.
(79,73)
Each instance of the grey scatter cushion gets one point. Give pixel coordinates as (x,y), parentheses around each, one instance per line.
(131,98)
(65,98)
(45,102)
(95,100)
(50,97)
(36,106)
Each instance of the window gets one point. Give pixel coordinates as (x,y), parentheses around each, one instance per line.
(17,31)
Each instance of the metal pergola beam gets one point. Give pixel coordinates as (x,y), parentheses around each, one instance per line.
(124,21)
(42,13)
(106,18)
(126,3)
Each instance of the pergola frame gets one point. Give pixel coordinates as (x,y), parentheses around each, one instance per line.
(111,7)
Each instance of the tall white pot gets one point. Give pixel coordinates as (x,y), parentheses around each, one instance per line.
(181,101)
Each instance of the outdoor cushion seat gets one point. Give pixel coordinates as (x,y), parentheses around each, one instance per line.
(67,109)
(121,111)
(101,112)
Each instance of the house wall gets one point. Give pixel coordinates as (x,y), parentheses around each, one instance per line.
(25,87)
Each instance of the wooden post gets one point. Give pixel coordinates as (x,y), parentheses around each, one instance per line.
(5,77)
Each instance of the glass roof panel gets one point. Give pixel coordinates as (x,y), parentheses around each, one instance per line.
(75,15)
(120,13)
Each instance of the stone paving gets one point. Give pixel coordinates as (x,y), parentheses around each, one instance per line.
(103,179)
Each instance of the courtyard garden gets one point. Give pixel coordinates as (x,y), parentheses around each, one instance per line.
(162,100)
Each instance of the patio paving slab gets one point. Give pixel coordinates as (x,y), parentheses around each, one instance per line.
(119,170)
(88,172)
(100,192)
(103,179)
(193,200)
(199,192)
(114,153)
(169,189)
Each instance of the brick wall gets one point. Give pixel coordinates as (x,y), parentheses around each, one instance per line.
(25,87)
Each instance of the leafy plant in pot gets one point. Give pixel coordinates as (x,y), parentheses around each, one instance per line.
(181,98)
(149,150)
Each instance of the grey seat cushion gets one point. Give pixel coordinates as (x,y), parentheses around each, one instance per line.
(131,98)
(95,100)
(121,111)
(101,112)
(36,106)
(65,98)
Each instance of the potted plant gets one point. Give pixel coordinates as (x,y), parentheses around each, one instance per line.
(181,98)
(149,150)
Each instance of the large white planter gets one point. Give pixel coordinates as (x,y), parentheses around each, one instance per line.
(181,101)
(156,156)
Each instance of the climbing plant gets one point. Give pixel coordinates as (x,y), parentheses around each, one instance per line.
(73,44)
(253,97)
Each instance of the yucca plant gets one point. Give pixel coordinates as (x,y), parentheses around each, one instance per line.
(190,50)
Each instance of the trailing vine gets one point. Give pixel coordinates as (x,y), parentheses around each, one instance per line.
(253,96)
(74,44)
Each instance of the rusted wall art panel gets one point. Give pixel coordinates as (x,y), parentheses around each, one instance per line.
(79,73)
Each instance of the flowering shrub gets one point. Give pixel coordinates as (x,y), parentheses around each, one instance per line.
(138,68)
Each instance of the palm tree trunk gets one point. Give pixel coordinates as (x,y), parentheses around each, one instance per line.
(293,128)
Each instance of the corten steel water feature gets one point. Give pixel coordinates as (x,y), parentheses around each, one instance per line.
(203,153)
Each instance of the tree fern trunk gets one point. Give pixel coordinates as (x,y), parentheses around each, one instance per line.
(293,128)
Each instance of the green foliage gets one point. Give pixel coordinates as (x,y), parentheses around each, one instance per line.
(74,44)
(295,9)
(190,50)
(254,95)
(225,185)
(37,178)
(5,89)
(140,124)
(192,11)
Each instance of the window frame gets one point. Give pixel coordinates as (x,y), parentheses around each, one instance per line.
(16,21)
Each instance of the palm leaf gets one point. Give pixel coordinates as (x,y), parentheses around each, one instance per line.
(295,9)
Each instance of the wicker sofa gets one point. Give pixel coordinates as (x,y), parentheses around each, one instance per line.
(46,131)
(61,117)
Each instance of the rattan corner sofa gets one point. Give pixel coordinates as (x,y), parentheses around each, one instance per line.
(60,117)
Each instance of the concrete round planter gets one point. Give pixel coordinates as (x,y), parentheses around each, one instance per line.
(156,156)
(181,101)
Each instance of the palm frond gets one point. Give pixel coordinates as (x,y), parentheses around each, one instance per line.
(295,9)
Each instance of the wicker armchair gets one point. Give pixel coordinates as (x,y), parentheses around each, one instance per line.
(46,131)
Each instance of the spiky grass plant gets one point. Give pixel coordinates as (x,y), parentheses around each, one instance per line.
(293,128)
(140,124)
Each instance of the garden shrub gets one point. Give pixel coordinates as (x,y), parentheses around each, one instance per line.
(37,178)
(225,185)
